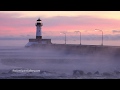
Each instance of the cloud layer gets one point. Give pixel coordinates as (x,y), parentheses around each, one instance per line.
(12,27)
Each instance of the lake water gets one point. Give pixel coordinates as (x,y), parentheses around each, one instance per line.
(22,43)
(13,55)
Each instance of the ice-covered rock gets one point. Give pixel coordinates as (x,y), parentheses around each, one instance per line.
(97,73)
(117,72)
(78,72)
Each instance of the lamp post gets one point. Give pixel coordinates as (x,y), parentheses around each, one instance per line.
(102,34)
(65,36)
(80,35)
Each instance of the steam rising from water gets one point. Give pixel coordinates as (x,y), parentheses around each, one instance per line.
(61,61)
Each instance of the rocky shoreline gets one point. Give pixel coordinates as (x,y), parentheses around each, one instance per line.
(77,74)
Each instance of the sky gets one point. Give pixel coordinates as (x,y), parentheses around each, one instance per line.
(21,24)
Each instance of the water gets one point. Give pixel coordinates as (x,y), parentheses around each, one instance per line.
(13,55)
(22,43)
(13,43)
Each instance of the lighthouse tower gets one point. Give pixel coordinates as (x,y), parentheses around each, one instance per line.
(38,29)
(39,41)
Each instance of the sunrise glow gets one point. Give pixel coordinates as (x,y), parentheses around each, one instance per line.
(22,23)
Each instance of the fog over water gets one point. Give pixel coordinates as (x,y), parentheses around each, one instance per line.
(60,61)
(22,43)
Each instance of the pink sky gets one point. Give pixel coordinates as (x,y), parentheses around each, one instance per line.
(23,23)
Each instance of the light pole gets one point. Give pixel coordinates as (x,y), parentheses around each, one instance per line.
(102,34)
(80,35)
(65,36)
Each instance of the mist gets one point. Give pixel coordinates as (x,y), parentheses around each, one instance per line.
(62,60)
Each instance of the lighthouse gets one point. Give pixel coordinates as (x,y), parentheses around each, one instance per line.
(39,41)
(38,29)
